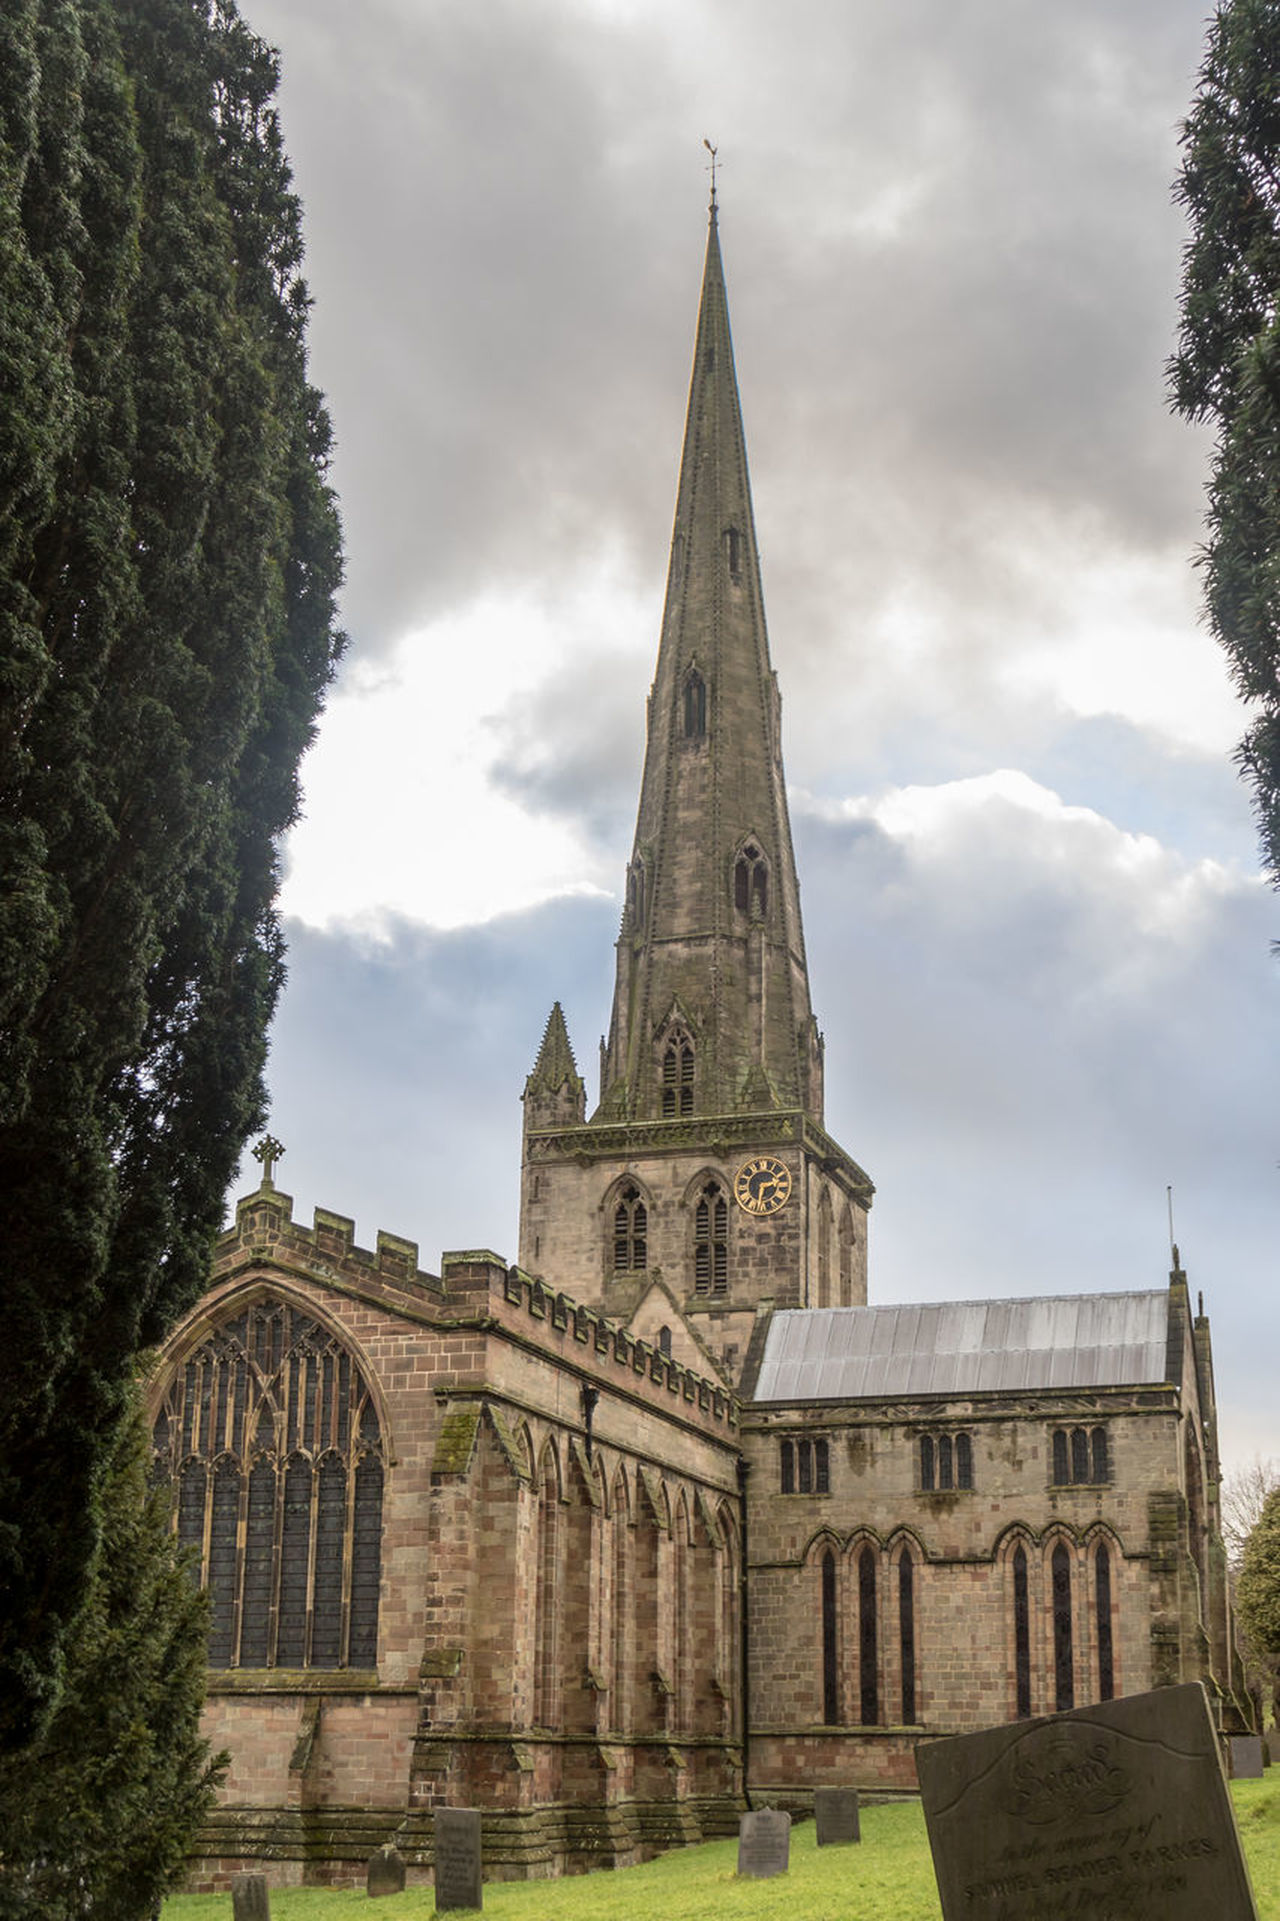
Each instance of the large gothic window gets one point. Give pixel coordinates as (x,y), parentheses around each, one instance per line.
(1021,1634)
(1063,1657)
(270,1437)
(711,1241)
(677,1076)
(1102,1602)
(630,1232)
(868,1641)
(907,1634)
(830,1656)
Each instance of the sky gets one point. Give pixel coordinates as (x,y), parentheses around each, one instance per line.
(1039,945)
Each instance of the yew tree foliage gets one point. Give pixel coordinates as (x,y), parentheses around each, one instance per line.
(97,1813)
(169,556)
(1227,368)
(1258,1582)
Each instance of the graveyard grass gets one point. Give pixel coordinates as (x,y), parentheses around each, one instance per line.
(890,1868)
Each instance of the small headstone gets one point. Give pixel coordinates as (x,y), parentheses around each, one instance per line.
(835,1813)
(459,1877)
(386,1872)
(1246,1756)
(249,1898)
(764,1843)
(1119,1809)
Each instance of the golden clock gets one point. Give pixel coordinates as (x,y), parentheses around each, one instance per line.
(762,1186)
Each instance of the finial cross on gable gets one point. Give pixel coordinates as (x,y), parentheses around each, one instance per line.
(268,1151)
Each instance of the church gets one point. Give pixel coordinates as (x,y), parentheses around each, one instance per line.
(664,1518)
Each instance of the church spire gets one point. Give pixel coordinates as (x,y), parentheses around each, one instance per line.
(711,1008)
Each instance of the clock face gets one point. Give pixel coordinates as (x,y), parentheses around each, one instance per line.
(762,1186)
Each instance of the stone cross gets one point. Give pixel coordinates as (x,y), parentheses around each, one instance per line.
(268,1151)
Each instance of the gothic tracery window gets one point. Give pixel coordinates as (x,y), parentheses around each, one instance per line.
(1102,1602)
(270,1437)
(630,1232)
(830,1656)
(1021,1634)
(868,1641)
(907,1634)
(1063,1655)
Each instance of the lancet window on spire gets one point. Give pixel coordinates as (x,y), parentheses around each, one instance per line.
(635,893)
(677,1076)
(751,882)
(733,552)
(695,706)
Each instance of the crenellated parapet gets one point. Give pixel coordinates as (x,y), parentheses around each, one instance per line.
(265,1230)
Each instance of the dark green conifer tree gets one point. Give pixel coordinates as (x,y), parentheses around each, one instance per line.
(95,1817)
(169,557)
(1227,368)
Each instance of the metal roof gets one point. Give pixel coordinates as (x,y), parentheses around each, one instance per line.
(964,1347)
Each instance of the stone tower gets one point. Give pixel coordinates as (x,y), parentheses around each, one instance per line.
(705,1165)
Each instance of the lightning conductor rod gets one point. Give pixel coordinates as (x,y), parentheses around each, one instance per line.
(1173,1245)
(711,169)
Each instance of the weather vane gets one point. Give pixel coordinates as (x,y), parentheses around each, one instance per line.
(712,169)
(268,1151)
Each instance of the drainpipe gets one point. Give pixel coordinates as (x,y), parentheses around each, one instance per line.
(744,1630)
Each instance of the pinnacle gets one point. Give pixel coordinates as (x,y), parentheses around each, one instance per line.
(555,1066)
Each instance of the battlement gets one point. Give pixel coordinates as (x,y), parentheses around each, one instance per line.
(264,1226)
(605,1348)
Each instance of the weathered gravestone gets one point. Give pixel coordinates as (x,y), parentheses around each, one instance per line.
(1271,1747)
(249,1898)
(385,1872)
(764,1843)
(459,1878)
(1246,1756)
(1112,1813)
(835,1813)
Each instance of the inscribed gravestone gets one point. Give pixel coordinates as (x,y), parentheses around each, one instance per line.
(1112,1813)
(386,1872)
(1246,1756)
(459,1877)
(249,1898)
(835,1813)
(764,1843)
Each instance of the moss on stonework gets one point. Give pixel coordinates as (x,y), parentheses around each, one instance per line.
(456,1441)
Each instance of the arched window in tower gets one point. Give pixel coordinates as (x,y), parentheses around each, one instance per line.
(695,706)
(630,1232)
(271,1436)
(824,1250)
(733,552)
(677,1076)
(751,883)
(711,1241)
(1063,1657)
(1021,1634)
(868,1641)
(830,1657)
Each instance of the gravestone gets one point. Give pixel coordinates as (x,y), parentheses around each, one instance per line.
(1246,1756)
(459,1877)
(386,1872)
(764,1843)
(249,1898)
(1108,1811)
(835,1813)
(1271,1747)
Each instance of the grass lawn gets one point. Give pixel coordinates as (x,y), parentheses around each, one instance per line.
(890,1873)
